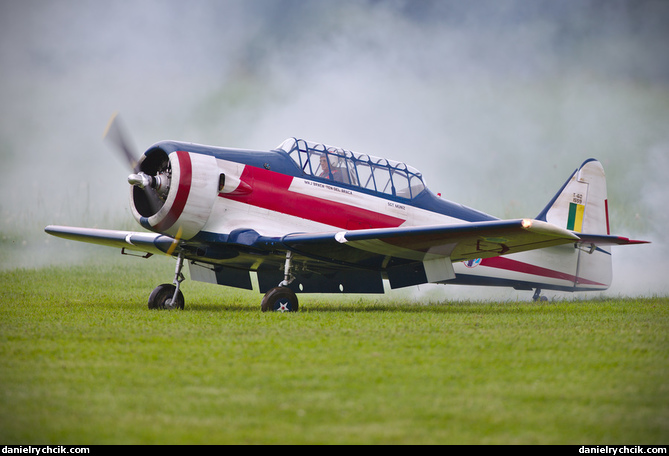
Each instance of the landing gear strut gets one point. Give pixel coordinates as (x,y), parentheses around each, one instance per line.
(168,295)
(282,298)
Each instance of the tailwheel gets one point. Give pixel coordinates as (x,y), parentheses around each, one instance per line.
(279,299)
(538,296)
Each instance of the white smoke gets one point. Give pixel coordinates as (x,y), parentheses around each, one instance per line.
(497,102)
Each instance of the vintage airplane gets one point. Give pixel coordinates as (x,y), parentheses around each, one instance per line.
(309,218)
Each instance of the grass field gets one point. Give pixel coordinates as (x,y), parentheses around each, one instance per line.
(83,361)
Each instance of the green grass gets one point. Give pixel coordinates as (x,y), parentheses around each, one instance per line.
(83,361)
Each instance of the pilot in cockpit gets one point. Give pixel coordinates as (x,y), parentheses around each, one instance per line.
(325,169)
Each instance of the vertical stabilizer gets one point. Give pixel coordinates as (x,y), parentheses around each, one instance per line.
(582,207)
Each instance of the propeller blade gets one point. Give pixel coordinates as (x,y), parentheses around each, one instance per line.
(116,134)
(175,242)
(154,200)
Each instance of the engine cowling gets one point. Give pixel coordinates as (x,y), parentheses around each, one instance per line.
(183,205)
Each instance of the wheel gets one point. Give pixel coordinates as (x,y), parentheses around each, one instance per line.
(538,297)
(279,299)
(161,298)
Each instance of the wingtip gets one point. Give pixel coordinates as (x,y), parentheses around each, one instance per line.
(539,226)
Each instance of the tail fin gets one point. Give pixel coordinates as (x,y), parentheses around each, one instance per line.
(581,206)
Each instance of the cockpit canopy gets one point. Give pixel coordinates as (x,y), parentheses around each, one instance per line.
(358,170)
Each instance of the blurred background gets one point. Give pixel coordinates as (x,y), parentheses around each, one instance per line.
(495,101)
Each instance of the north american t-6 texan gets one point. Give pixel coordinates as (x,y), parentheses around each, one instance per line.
(309,218)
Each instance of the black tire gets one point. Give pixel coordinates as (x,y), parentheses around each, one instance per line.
(279,299)
(161,298)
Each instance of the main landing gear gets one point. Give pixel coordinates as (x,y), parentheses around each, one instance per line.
(281,298)
(168,295)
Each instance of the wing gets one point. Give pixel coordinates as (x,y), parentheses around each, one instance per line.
(350,261)
(414,255)
(144,242)
(458,242)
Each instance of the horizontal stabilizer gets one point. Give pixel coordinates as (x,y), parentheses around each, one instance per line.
(604,239)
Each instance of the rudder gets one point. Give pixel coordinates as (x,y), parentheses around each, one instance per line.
(581,206)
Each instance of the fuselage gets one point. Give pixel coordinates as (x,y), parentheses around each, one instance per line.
(304,187)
